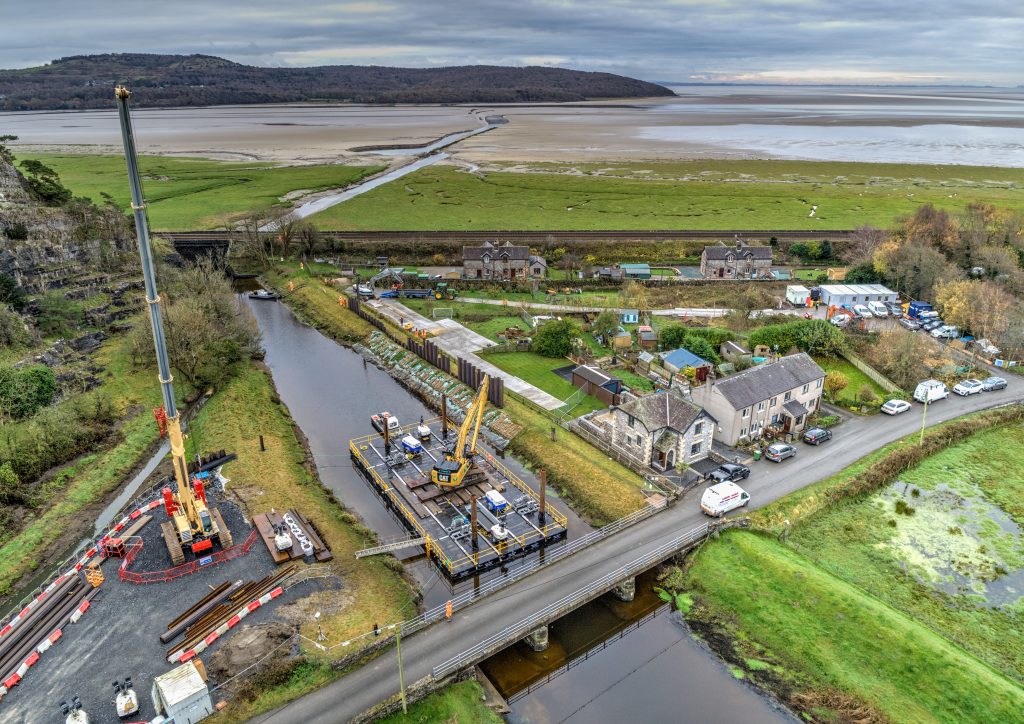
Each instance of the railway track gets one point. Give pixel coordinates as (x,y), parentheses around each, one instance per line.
(201,237)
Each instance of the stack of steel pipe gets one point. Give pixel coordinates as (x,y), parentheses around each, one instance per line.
(206,623)
(54,612)
(198,610)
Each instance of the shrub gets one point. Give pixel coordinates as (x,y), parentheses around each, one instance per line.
(24,391)
(17,231)
(835,382)
(554,338)
(814,336)
(11,293)
(867,395)
(57,316)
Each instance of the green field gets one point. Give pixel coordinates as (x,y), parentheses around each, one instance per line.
(537,370)
(706,194)
(850,396)
(193,193)
(460,703)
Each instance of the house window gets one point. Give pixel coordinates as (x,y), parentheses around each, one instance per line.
(743,432)
(788,396)
(775,419)
(806,387)
(698,428)
(774,402)
(631,422)
(695,448)
(760,406)
(819,383)
(746,412)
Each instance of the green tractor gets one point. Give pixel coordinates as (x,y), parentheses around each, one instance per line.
(443,291)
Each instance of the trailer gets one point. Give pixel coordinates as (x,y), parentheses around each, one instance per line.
(916,309)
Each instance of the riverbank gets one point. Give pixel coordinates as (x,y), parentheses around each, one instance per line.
(373,590)
(868,599)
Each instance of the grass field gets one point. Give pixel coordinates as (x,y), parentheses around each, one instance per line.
(193,193)
(797,621)
(374,589)
(134,393)
(495,326)
(538,371)
(706,194)
(460,703)
(316,302)
(850,396)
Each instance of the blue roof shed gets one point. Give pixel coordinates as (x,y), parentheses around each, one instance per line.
(680,359)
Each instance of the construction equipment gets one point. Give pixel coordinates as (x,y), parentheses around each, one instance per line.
(192,523)
(126,701)
(367,290)
(451,471)
(443,291)
(72,712)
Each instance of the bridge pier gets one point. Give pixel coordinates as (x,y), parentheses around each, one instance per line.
(538,639)
(626,591)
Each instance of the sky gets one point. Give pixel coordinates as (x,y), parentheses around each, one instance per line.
(761,41)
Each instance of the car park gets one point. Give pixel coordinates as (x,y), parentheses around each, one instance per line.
(720,499)
(729,472)
(991,384)
(779,451)
(895,407)
(816,435)
(968,387)
(930,391)
(910,324)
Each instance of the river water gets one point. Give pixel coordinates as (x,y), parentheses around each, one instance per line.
(656,673)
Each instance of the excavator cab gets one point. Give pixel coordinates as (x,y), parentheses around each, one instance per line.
(447,472)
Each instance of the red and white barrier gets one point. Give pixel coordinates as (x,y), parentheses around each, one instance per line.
(181,656)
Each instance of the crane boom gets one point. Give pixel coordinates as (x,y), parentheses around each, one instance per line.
(451,471)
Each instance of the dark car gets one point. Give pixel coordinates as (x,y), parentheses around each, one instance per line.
(729,472)
(910,324)
(817,435)
(991,384)
(895,308)
(779,451)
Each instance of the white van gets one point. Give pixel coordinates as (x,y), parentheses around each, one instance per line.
(930,391)
(861,311)
(720,499)
(878,309)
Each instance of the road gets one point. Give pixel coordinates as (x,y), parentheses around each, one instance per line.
(356,692)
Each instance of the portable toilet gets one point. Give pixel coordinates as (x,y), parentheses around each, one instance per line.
(181,695)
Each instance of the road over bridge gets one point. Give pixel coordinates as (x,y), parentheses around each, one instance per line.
(458,640)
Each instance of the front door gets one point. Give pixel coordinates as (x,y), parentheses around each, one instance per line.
(787,421)
(670,460)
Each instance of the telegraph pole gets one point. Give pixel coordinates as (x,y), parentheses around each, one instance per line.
(924,416)
(401,674)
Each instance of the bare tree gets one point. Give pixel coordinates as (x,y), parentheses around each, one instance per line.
(862,244)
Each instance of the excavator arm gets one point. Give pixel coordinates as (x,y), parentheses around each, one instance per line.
(451,471)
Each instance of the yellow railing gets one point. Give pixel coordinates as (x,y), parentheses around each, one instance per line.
(558,521)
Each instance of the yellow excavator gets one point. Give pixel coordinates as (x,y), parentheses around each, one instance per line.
(191,523)
(458,460)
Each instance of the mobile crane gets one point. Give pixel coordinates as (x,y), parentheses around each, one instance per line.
(458,460)
(192,524)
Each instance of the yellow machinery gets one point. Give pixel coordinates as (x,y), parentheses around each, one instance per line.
(451,471)
(191,523)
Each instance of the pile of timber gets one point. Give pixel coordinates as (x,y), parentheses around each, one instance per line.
(206,615)
(44,622)
(265,523)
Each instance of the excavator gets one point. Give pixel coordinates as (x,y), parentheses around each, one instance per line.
(458,460)
(367,290)
(192,524)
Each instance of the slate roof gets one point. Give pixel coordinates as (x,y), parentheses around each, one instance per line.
(593,375)
(682,358)
(730,347)
(534,259)
(795,409)
(515,253)
(663,409)
(766,381)
(719,252)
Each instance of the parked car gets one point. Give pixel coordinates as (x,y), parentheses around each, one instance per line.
(930,391)
(992,384)
(946,331)
(910,324)
(720,499)
(895,308)
(816,435)
(895,407)
(931,324)
(968,387)
(728,472)
(779,451)
(861,311)
(841,320)
(878,309)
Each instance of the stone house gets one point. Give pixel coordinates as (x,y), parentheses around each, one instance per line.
(778,396)
(739,262)
(503,262)
(662,429)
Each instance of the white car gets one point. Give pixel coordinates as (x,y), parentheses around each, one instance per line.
(878,309)
(895,407)
(861,311)
(946,331)
(968,387)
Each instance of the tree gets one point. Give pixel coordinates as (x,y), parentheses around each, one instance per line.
(826,249)
(954,298)
(45,182)
(11,492)
(702,348)
(835,382)
(554,338)
(866,394)
(673,336)
(13,330)
(863,274)
(902,356)
(11,293)
(308,237)
(861,245)
(605,323)
(24,391)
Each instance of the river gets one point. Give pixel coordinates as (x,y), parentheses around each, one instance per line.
(658,672)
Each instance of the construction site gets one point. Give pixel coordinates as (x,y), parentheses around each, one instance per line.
(467,510)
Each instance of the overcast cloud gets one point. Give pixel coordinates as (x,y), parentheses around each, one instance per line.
(875,41)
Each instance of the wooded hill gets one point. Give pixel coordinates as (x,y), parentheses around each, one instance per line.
(87,81)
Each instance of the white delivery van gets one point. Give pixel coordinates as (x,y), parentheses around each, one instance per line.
(930,391)
(878,309)
(720,499)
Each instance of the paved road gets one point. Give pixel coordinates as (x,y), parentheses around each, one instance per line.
(363,688)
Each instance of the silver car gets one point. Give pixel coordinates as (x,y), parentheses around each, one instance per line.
(991,384)
(910,324)
(895,407)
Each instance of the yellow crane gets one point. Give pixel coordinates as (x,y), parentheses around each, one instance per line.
(451,471)
(191,523)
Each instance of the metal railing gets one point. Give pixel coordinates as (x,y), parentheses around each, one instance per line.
(516,631)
